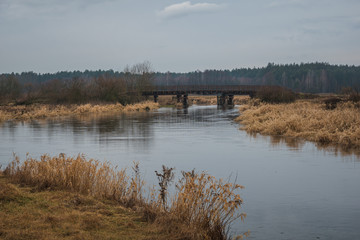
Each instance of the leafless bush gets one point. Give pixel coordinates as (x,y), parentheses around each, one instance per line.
(352,93)
(275,94)
(165,178)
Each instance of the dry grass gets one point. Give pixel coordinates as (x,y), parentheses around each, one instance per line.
(202,207)
(4,115)
(79,175)
(26,213)
(207,204)
(309,120)
(38,111)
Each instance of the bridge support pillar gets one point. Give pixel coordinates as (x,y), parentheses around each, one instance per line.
(156,98)
(185,100)
(230,100)
(221,99)
(178,97)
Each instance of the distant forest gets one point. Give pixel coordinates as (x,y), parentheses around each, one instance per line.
(307,77)
(112,85)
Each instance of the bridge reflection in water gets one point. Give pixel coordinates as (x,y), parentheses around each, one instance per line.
(225,93)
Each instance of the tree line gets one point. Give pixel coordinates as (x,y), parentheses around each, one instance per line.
(304,77)
(77,87)
(126,86)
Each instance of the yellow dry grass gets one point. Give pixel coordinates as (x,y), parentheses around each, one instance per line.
(27,213)
(203,200)
(38,111)
(4,115)
(212,100)
(202,207)
(305,119)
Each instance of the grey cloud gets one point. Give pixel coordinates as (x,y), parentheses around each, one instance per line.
(282,3)
(37,8)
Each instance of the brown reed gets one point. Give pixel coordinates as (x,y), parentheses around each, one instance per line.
(206,204)
(310,120)
(38,111)
(202,207)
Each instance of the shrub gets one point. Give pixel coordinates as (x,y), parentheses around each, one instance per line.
(352,94)
(275,94)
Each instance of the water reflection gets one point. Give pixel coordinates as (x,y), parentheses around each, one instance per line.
(138,127)
(292,190)
(296,144)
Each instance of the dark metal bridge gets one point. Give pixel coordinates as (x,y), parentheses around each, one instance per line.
(225,93)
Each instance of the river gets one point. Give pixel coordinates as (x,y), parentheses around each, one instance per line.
(293,189)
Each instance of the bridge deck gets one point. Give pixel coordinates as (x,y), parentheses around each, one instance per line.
(203,90)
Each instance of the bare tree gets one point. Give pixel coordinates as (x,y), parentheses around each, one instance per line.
(139,78)
(10,88)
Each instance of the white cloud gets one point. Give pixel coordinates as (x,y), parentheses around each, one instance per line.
(186,8)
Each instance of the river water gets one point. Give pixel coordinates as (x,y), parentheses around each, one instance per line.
(293,190)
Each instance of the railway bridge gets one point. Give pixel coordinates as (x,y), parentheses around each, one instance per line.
(225,93)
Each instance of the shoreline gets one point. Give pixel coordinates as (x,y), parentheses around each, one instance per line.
(164,214)
(305,119)
(42,111)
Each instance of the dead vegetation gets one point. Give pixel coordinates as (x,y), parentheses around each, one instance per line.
(275,94)
(320,121)
(28,213)
(38,111)
(201,207)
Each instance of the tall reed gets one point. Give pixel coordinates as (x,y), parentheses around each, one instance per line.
(308,120)
(206,204)
(46,110)
(75,174)
(201,207)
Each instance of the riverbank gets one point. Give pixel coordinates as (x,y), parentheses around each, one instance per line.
(39,111)
(307,119)
(29,213)
(75,198)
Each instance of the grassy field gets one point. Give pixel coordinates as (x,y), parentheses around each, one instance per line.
(307,119)
(38,111)
(75,198)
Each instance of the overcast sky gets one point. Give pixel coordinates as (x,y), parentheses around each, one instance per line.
(55,35)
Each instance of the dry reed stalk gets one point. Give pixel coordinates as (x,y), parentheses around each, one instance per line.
(4,116)
(165,178)
(307,120)
(75,174)
(203,100)
(144,106)
(45,111)
(206,204)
